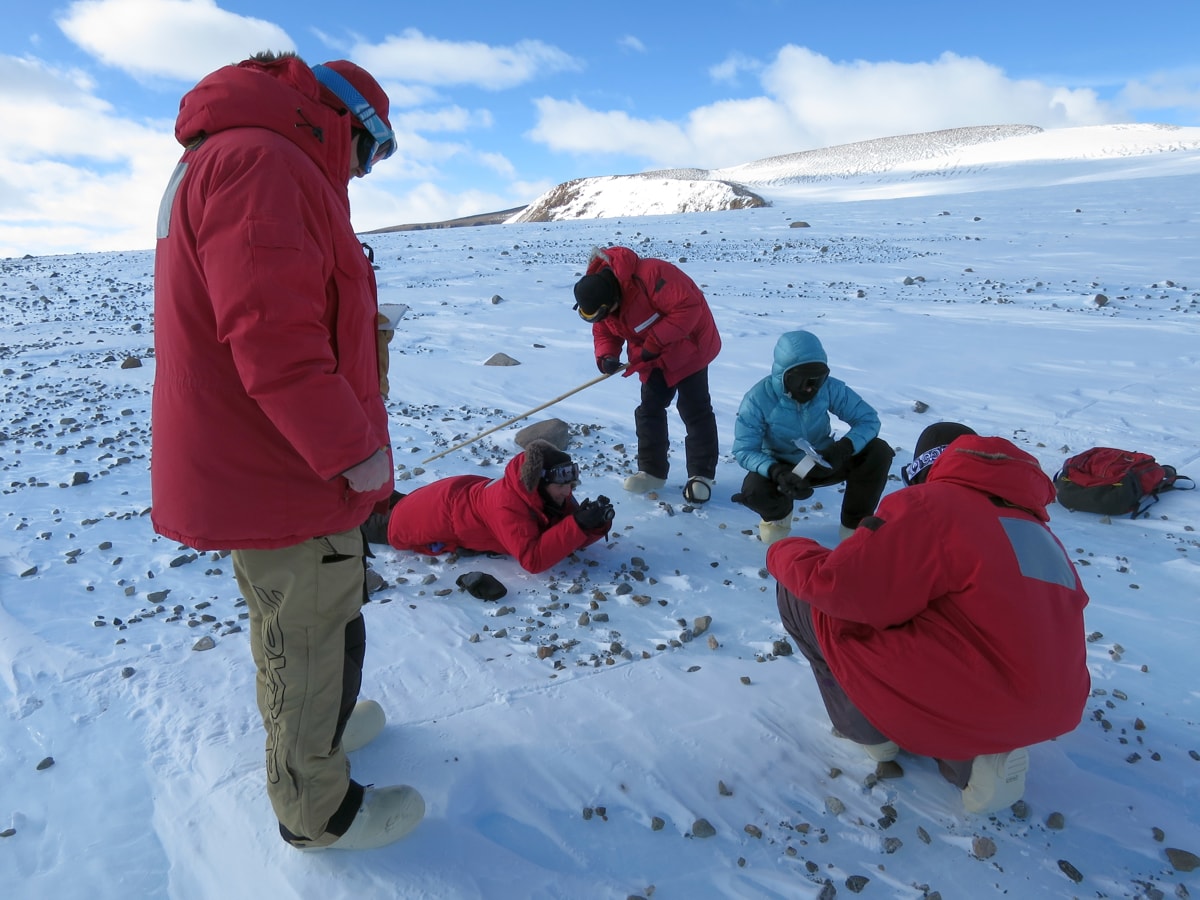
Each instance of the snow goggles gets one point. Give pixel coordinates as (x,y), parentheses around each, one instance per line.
(601,312)
(382,143)
(568,473)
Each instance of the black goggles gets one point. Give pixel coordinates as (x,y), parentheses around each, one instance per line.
(381,141)
(568,473)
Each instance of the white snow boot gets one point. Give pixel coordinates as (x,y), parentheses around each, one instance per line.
(366,721)
(386,815)
(885,752)
(997,781)
(642,482)
(770,532)
(698,489)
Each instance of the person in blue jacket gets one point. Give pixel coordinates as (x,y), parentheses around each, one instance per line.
(783,425)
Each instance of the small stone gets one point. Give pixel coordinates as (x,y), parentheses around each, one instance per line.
(657,824)
(700,625)
(8,832)
(127,672)
(855,883)
(701,828)
(923,835)
(588,812)
(983,847)
(723,790)
(745,679)
(834,806)
(889,769)
(1159,834)
(753,830)
(1056,821)
(45,763)
(205,643)
(1070,871)
(713,643)
(1182,860)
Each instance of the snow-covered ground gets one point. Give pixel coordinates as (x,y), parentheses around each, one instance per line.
(583,774)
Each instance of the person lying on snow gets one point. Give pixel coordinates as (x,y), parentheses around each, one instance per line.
(950,623)
(530,512)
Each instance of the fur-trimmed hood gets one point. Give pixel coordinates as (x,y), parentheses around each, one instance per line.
(539,456)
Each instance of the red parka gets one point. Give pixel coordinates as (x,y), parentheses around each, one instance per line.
(266,384)
(662,310)
(954,618)
(501,515)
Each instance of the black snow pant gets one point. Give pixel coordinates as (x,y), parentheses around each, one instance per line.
(865,474)
(700,423)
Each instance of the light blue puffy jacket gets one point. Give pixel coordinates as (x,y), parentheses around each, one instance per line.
(769,421)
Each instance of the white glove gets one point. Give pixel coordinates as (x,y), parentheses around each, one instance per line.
(371,473)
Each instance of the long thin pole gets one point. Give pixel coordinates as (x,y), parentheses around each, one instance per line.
(586,384)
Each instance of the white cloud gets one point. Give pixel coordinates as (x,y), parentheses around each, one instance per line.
(629,42)
(184,39)
(570,126)
(1164,90)
(732,66)
(810,101)
(448,118)
(415,57)
(85,178)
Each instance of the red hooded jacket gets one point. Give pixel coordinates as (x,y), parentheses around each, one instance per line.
(954,619)
(267,385)
(662,310)
(501,515)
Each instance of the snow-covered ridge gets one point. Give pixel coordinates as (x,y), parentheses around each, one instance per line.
(898,159)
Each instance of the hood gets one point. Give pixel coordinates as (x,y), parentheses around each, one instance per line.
(282,96)
(621,260)
(793,349)
(997,467)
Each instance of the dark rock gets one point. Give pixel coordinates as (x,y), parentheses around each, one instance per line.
(49,761)
(701,828)
(1070,871)
(1182,860)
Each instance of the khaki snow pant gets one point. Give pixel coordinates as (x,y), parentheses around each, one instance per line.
(308,640)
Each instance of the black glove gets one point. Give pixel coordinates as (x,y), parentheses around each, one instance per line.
(608,364)
(837,456)
(789,483)
(648,355)
(594,514)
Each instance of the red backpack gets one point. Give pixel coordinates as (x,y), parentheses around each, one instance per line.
(1113,482)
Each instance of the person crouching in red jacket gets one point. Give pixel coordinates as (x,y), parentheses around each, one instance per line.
(950,623)
(529,512)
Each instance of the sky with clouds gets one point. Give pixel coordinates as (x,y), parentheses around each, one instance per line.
(495,103)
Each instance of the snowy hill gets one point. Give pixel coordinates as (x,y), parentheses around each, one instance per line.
(944,161)
(568,739)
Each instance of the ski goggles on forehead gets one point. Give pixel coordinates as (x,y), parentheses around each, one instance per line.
(568,473)
(383,139)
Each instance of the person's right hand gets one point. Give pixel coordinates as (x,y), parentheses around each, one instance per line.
(789,483)
(609,365)
(370,474)
(593,514)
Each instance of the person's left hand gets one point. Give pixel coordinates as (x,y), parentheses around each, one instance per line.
(370,474)
(837,456)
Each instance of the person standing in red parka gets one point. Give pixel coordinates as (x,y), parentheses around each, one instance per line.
(661,314)
(270,435)
(950,623)
(529,512)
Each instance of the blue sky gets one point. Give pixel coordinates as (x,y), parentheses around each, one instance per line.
(497,102)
